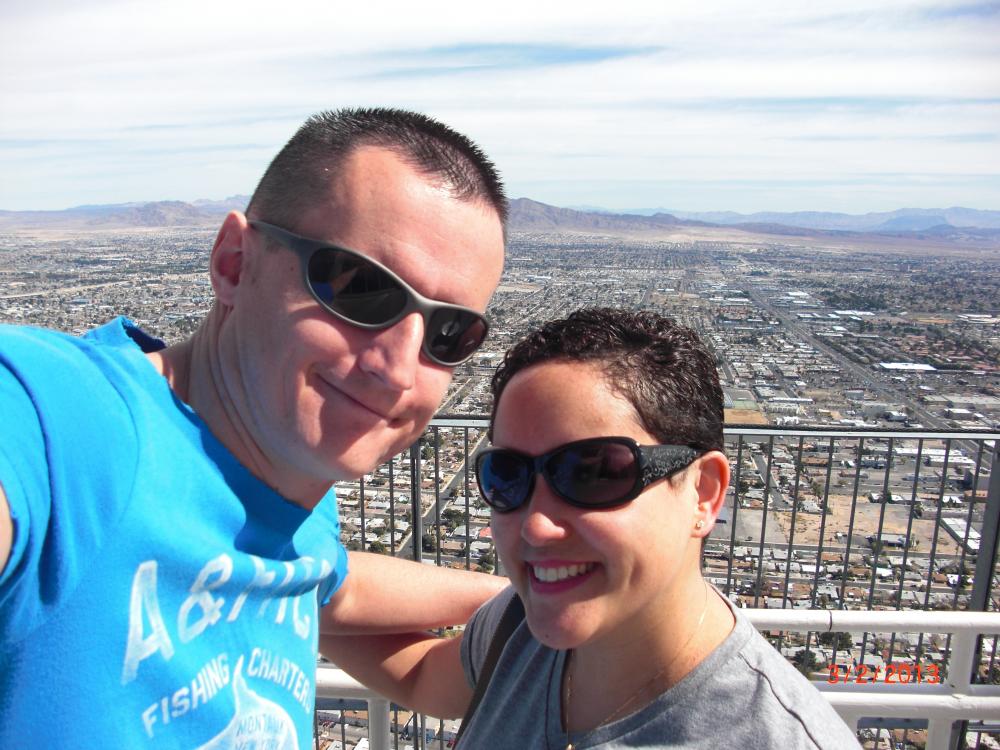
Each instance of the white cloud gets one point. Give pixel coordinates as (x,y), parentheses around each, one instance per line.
(116,101)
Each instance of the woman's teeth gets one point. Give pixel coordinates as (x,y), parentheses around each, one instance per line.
(551,575)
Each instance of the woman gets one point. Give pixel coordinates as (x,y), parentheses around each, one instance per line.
(606,475)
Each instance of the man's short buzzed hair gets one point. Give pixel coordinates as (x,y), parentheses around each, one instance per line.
(659,366)
(310,162)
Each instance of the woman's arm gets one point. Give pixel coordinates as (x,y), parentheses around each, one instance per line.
(383,594)
(417,670)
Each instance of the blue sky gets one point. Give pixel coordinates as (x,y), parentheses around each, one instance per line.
(770,106)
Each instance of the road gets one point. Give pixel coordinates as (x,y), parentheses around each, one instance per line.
(450,489)
(874,380)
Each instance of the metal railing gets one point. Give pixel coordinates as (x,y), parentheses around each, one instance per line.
(861,531)
(935,698)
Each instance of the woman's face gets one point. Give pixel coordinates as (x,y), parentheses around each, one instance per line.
(589,575)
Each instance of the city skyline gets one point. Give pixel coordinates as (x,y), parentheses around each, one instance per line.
(694,107)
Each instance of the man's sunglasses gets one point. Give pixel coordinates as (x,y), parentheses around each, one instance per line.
(364,293)
(594,473)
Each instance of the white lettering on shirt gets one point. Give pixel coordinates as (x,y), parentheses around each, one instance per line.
(200,597)
(205,599)
(144,599)
(209,680)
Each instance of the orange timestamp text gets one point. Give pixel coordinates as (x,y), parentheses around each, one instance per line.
(902,673)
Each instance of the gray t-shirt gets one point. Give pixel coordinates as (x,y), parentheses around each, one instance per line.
(743,695)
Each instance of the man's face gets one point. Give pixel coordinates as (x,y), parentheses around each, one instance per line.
(323,400)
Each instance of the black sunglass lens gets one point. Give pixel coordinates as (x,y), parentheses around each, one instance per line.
(453,335)
(355,288)
(504,479)
(593,473)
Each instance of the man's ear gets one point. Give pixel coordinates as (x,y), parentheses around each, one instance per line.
(228,256)
(711,483)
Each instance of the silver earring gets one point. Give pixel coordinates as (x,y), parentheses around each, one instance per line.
(699,525)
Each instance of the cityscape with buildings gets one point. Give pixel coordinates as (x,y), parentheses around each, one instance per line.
(862,389)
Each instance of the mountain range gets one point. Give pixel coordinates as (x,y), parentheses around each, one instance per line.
(531,216)
(905,219)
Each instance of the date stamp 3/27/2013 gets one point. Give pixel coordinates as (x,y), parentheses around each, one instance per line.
(902,673)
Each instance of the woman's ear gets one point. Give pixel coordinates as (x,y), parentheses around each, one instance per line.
(711,480)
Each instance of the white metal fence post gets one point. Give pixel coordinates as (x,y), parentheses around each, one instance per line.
(378,724)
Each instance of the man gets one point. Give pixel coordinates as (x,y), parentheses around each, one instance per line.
(169,539)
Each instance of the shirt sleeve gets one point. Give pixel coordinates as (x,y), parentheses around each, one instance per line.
(325,523)
(58,413)
(22,476)
(479,633)
(335,580)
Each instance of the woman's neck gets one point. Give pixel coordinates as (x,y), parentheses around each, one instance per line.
(606,680)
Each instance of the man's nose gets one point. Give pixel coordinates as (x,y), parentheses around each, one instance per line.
(393,354)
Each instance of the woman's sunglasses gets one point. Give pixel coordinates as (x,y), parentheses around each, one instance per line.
(364,293)
(595,473)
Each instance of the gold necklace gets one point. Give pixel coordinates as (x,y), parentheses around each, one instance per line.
(645,686)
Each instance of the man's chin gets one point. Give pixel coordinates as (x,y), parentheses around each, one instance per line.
(346,452)
(350,467)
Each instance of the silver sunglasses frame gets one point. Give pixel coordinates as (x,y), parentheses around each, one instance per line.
(305,247)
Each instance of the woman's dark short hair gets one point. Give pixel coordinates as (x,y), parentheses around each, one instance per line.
(662,368)
(310,162)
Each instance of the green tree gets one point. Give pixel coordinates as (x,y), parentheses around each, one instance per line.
(428,542)
(453,517)
(805,661)
(487,562)
(840,641)
(377,547)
